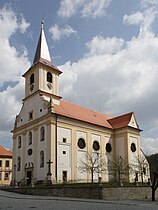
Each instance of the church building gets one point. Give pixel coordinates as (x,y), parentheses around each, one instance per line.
(51,136)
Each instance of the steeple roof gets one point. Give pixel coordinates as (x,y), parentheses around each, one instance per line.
(42,51)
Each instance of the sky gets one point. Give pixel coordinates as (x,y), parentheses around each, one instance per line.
(106,49)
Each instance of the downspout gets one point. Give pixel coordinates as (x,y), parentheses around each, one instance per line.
(56,141)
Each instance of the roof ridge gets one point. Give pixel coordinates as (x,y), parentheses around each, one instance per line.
(84,107)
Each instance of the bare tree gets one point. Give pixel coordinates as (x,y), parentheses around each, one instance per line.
(140,167)
(92,163)
(118,167)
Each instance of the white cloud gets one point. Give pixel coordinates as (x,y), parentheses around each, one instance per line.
(10,97)
(9,24)
(145,19)
(95,8)
(149,145)
(100,45)
(117,76)
(23,25)
(136,18)
(87,8)
(58,33)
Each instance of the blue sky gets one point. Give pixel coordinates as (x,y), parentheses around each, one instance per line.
(111,44)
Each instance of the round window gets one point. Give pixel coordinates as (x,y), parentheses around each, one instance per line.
(30,152)
(81,143)
(133,147)
(108,147)
(96,146)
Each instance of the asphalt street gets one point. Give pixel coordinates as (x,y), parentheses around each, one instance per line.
(16,201)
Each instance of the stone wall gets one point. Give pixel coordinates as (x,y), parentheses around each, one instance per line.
(117,193)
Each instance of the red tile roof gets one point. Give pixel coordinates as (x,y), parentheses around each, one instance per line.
(84,114)
(120,121)
(4,152)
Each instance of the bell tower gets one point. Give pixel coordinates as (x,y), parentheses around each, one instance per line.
(42,76)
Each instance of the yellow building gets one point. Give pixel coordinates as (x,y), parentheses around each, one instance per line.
(49,128)
(5,166)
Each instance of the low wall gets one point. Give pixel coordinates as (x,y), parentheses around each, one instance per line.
(116,193)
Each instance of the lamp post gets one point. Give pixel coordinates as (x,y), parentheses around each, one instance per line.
(14,175)
(49,174)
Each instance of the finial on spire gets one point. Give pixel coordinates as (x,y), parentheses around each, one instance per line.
(42,23)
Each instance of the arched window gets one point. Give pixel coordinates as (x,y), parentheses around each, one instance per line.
(49,77)
(42,133)
(19,142)
(18,163)
(30,138)
(41,159)
(31,79)
(96,146)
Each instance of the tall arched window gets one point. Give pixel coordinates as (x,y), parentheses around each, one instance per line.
(30,138)
(42,133)
(19,142)
(49,77)
(18,163)
(31,79)
(41,159)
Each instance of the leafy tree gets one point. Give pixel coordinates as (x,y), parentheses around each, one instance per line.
(92,163)
(118,167)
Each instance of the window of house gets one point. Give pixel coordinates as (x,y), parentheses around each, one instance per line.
(7,163)
(49,77)
(108,147)
(64,152)
(0,163)
(64,140)
(41,159)
(6,176)
(30,138)
(81,143)
(0,176)
(31,79)
(19,142)
(31,115)
(42,133)
(18,163)
(96,146)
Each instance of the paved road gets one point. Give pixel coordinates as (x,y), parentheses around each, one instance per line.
(26,202)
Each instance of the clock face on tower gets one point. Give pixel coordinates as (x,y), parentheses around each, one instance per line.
(50,86)
(45,104)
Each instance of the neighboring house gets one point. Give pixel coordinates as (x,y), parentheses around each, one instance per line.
(50,129)
(5,166)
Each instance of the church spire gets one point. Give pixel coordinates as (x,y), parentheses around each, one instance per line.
(42,51)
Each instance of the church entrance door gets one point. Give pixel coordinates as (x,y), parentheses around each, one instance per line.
(29,177)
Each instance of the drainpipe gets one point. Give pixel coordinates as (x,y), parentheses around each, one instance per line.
(56,141)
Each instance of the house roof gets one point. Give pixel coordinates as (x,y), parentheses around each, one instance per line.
(84,114)
(121,121)
(4,152)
